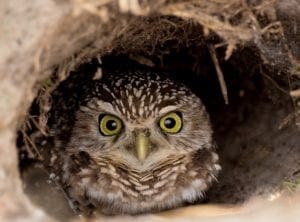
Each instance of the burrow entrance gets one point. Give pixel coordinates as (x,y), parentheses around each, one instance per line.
(258,145)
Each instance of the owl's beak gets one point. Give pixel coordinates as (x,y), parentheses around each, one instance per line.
(141,146)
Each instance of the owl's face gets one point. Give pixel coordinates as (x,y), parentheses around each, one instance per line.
(141,143)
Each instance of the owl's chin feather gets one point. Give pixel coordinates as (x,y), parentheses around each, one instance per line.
(114,188)
(113,203)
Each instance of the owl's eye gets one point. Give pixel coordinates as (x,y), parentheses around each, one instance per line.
(171,123)
(109,125)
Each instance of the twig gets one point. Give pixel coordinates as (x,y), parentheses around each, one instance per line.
(220,74)
(37,125)
(227,31)
(289,119)
(29,143)
(274,83)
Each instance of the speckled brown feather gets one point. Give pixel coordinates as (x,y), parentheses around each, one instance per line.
(100,174)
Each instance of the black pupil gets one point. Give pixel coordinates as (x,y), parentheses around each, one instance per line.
(111,125)
(170,123)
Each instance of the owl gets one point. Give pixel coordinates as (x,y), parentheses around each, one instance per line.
(135,141)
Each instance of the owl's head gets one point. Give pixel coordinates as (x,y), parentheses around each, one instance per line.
(141,142)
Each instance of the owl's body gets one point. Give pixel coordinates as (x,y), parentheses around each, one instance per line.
(132,142)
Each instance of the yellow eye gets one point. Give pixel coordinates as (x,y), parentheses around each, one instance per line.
(109,125)
(171,123)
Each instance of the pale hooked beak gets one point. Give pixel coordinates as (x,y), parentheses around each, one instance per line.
(141,146)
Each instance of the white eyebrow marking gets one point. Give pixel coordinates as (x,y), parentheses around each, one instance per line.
(167,109)
(108,108)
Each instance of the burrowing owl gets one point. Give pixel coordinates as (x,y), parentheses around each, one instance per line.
(131,142)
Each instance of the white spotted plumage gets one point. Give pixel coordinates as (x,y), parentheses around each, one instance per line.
(101,174)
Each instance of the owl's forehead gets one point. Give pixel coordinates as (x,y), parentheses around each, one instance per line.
(141,95)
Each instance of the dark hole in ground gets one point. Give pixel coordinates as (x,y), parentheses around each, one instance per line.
(256,156)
